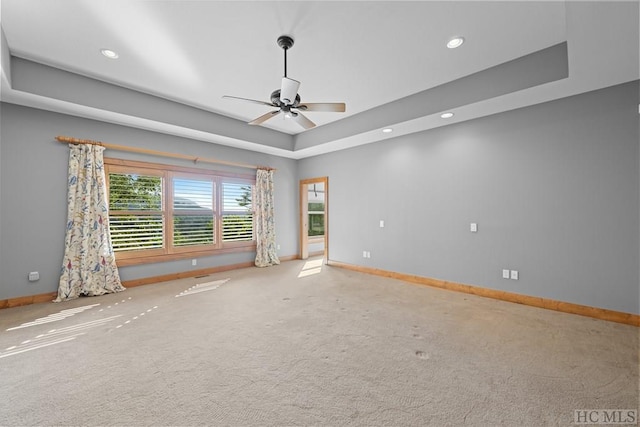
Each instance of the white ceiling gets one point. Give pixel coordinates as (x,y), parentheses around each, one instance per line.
(363,53)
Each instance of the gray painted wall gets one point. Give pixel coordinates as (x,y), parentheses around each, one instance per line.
(33,176)
(554,189)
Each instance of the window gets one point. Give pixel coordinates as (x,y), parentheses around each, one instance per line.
(135,211)
(316,219)
(193,214)
(161,212)
(237,215)
(315,210)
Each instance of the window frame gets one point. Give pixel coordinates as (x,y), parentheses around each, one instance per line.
(169,252)
(147,172)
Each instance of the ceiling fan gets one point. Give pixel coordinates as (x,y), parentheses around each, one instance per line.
(287,100)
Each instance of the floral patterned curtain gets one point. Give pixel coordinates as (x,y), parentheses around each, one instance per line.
(266,254)
(89,266)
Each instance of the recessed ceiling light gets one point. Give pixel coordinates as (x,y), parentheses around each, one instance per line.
(109,53)
(447,115)
(455,42)
(387,130)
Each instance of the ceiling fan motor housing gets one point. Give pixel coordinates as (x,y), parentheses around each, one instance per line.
(289,90)
(276,100)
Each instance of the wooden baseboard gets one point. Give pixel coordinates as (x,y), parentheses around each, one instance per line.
(185,274)
(27,300)
(50,296)
(195,273)
(549,304)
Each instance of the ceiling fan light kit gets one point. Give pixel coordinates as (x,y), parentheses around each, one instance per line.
(287,98)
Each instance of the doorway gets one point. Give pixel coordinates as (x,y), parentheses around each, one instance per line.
(314,218)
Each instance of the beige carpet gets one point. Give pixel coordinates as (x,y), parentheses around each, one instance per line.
(300,344)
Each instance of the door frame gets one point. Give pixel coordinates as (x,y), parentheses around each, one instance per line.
(304,216)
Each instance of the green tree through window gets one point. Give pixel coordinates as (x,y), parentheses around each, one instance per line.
(135,206)
(316,219)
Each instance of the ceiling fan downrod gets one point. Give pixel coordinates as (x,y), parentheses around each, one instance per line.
(285,42)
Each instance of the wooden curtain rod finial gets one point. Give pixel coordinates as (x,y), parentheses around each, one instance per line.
(77,141)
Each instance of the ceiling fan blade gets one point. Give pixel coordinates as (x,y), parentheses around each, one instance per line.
(335,107)
(302,120)
(263,118)
(250,100)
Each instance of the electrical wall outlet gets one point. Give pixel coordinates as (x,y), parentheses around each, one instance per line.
(33,276)
(382,223)
(194,262)
(505,274)
(473,227)
(514,274)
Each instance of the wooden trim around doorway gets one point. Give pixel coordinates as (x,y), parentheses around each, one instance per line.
(304,240)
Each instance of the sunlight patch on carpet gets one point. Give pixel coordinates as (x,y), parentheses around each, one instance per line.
(310,268)
(136,317)
(114,305)
(55,317)
(54,336)
(203,287)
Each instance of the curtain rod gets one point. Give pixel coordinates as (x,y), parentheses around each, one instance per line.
(195,159)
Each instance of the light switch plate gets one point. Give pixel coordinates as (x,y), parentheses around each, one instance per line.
(514,274)
(473,227)
(505,274)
